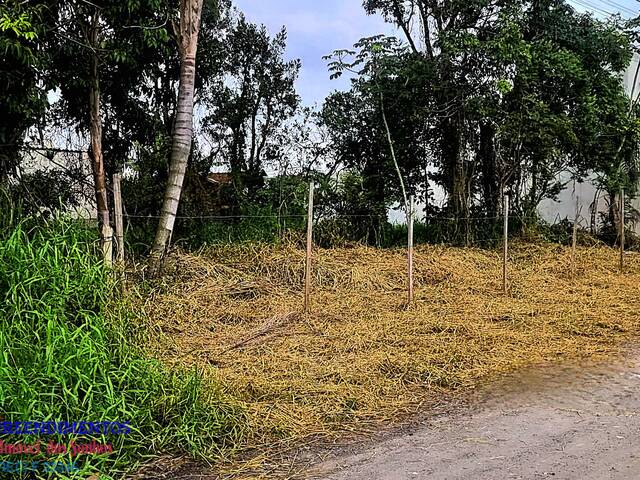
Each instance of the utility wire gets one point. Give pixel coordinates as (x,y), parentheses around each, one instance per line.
(584,4)
(604,5)
(618,6)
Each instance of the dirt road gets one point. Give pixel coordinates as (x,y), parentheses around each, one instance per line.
(579,422)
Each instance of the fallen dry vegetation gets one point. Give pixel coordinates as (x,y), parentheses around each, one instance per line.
(361,357)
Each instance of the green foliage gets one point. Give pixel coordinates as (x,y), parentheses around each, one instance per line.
(17,32)
(503,95)
(21,26)
(137,74)
(500,95)
(68,355)
(278,209)
(257,225)
(22,88)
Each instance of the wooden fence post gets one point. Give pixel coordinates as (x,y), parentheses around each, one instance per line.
(574,239)
(117,202)
(410,246)
(622,232)
(107,245)
(505,250)
(307,276)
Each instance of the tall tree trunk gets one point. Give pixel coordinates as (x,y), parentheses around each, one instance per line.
(452,166)
(456,170)
(459,201)
(593,210)
(490,187)
(531,199)
(190,14)
(95,128)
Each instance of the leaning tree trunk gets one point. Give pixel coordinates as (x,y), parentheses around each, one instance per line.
(190,13)
(95,128)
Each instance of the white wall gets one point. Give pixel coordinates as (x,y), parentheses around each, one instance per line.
(630,75)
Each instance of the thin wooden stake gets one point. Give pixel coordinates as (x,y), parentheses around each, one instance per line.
(307,275)
(107,244)
(117,202)
(505,251)
(574,239)
(410,247)
(622,221)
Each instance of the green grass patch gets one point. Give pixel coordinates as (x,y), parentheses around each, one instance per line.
(67,353)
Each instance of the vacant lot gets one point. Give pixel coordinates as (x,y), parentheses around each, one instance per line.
(362,357)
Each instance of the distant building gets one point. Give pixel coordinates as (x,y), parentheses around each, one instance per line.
(71,169)
(220,179)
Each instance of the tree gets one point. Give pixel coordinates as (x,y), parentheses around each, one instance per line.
(190,15)
(563,102)
(22,85)
(95,126)
(446,26)
(507,92)
(72,47)
(250,104)
(79,43)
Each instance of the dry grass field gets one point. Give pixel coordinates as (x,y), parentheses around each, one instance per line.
(362,357)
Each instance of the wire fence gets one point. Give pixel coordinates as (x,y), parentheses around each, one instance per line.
(471,231)
(330,230)
(335,230)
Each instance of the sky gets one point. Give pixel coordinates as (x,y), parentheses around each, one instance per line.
(315,28)
(318,27)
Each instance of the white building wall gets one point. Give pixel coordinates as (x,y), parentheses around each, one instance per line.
(631,75)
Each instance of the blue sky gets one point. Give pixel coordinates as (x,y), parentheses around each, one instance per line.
(317,27)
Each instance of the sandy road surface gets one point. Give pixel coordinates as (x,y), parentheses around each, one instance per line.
(579,422)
